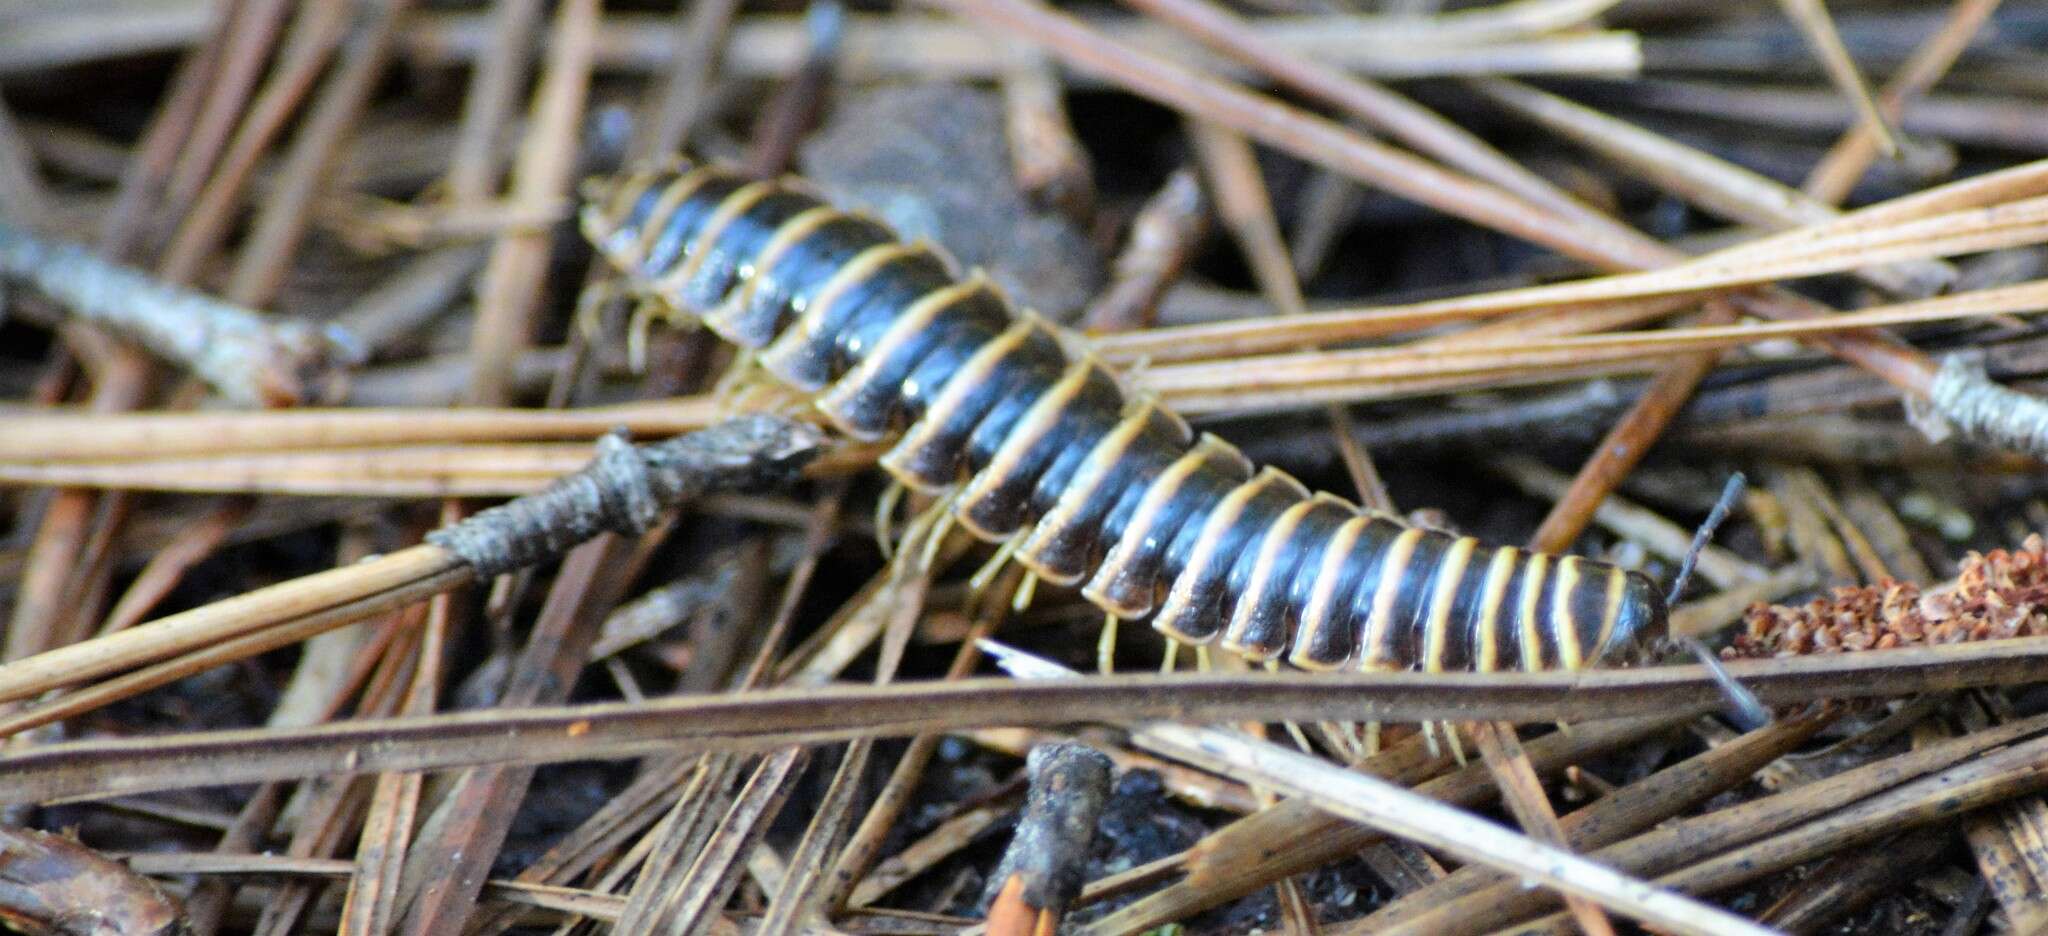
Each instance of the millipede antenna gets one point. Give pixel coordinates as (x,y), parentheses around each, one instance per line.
(1729,493)
(1744,708)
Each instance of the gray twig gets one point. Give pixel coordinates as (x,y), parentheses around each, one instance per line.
(249,357)
(1969,401)
(1069,787)
(627,488)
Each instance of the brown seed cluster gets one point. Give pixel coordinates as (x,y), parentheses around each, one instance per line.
(2003,593)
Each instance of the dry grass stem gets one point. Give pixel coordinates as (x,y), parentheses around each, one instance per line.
(883,48)
(774,718)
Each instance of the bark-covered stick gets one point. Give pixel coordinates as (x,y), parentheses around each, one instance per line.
(625,489)
(1042,870)
(249,357)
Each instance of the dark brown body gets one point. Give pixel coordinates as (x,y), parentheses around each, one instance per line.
(1109,491)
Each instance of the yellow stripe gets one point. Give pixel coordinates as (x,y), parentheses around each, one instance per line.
(1375,653)
(694,253)
(625,191)
(1563,622)
(600,216)
(958,387)
(1277,537)
(1315,615)
(1492,596)
(809,327)
(659,216)
(1617,586)
(1155,499)
(912,321)
(1525,615)
(1450,573)
(1081,488)
(1025,434)
(1180,596)
(786,235)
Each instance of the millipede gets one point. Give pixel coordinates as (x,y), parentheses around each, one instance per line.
(1039,445)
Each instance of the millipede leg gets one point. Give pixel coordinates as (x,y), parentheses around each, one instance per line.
(1457,745)
(745,382)
(978,582)
(591,303)
(645,312)
(1172,656)
(1293,730)
(885,517)
(922,536)
(1105,645)
(938,519)
(1025,591)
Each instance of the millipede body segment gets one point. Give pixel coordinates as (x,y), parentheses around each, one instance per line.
(1106,489)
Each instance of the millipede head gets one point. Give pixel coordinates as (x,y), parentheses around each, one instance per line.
(1641,621)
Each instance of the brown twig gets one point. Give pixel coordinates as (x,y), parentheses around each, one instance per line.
(701,36)
(1522,793)
(794,109)
(1819,27)
(1653,852)
(884,48)
(1311,75)
(1993,121)
(776,718)
(209,212)
(1328,144)
(1701,178)
(1629,810)
(942,842)
(1996,777)
(1851,880)
(1851,156)
(1162,240)
(853,874)
(494,86)
(1247,210)
(508,296)
(278,227)
(2003,839)
(1624,446)
(1398,811)
(1048,160)
(254,28)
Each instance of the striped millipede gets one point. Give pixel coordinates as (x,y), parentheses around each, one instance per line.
(1100,487)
